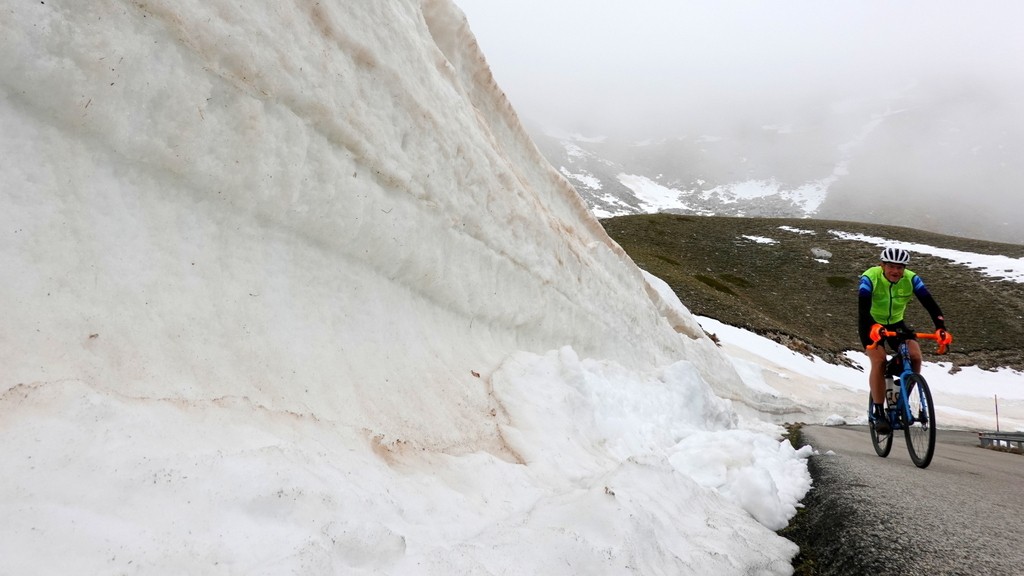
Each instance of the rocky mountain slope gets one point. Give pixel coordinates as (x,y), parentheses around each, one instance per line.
(795,280)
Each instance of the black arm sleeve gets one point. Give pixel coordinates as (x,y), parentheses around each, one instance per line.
(933,309)
(864,319)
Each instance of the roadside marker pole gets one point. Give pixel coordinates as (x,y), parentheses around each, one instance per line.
(997,412)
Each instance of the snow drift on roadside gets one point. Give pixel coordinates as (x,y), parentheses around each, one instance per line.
(283,287)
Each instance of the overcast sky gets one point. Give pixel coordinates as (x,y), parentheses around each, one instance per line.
(612,63)
(924,99)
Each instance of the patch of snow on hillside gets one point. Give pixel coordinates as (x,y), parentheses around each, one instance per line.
(993,265)
(575,151)
(808,197)
(653,196)
(797,230)
(585,178)
(740,191)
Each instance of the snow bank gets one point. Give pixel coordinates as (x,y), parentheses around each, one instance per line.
(288,289)
(291,204)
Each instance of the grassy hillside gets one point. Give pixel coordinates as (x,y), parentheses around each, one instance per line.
(783,291)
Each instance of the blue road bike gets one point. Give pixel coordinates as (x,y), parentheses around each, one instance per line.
(908,402)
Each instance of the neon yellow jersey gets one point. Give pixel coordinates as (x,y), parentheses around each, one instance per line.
(889,300)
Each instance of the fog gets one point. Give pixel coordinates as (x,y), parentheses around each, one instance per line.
(921,98)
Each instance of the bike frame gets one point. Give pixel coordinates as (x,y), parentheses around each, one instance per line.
(903,399)
(919,429)
(892,413)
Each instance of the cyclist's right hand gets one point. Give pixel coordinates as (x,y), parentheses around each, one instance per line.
(876,335)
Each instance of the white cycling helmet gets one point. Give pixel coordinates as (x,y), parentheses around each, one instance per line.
(896,256)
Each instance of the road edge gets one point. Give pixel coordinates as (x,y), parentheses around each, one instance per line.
(824,522)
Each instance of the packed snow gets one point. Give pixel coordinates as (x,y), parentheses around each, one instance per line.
(584,177)
(289,290)
(808,197)
(994,265)
(795,230)
(654,197)
(759,239)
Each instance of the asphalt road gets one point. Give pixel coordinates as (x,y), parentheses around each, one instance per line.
(962,515)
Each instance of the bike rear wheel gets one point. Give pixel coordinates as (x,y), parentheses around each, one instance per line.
(881,442)
(920,431)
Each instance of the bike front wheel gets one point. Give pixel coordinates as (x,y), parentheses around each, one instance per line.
(881,442)
(920,431)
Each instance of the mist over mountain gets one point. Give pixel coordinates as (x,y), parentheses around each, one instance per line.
(897,166)
(948,165)
(906,113)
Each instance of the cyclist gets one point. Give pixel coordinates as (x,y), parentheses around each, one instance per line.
(884,293)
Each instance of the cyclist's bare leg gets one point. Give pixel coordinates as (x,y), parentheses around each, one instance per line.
(915,355)
(876,377)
